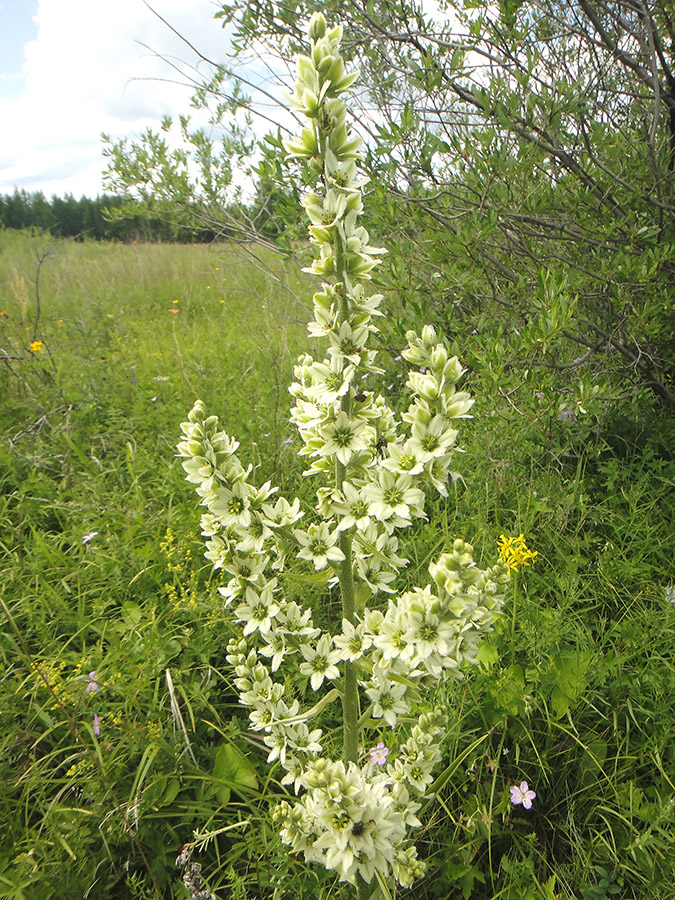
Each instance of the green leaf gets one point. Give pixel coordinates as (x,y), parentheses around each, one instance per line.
(231,769)
(570,672)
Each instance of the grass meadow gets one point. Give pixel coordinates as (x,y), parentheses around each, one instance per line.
(121,734)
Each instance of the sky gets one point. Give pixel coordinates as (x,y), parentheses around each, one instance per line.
(72,69)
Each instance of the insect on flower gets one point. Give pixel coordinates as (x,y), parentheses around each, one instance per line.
(380,447)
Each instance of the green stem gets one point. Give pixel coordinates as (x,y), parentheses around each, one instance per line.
(350,695)
(513,615)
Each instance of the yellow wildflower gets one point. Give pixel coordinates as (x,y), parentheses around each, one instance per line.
(514,551)
(36,346)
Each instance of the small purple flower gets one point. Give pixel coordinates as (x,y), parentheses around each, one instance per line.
(378,755)
(521,793)
(670,594)
(96,724)
(89,537)
(397,359)
(568,414)
(93,686)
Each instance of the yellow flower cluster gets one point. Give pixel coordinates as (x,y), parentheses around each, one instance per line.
(36,346)
(82,768)
(154,730)
(514,551)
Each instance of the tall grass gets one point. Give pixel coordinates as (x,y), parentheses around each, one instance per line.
(101,572)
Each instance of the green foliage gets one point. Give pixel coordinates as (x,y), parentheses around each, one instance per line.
(95,579)
(183,174)
(530,215)
(582,702)
(593,634)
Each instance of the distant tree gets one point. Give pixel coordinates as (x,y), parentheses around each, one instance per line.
(93,225)
(17,210)
(68,216)
(42,215)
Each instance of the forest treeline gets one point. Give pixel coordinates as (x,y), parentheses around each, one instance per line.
(107,217)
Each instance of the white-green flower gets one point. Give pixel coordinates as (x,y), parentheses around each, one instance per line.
(294,620)
(251,538)
(233,505)
(324,321)
(353,641)
(344,437)
(320,662)
(318,544)
(295,771)
(302,740)
(259,610)
(394,498)
(403,459)
(275,647)
(246,567)
(426,385)
(344,175)
(458,405)
(277,742)
(354,509)
(433,439)
(283,513)
(390,639)
(372,572)
(387,697)
(428,634)
(330,381)
(348,341)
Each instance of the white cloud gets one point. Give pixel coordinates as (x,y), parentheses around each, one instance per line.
(86,73)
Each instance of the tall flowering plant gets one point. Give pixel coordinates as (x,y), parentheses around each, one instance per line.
(352,814)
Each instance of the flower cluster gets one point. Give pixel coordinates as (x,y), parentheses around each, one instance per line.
(514,551)
(352,815)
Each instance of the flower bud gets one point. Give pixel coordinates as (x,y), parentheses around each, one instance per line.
(425,385)
(453,370)
(305,69)
(438,359)
(197,412)
(317,26)
(429,336)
